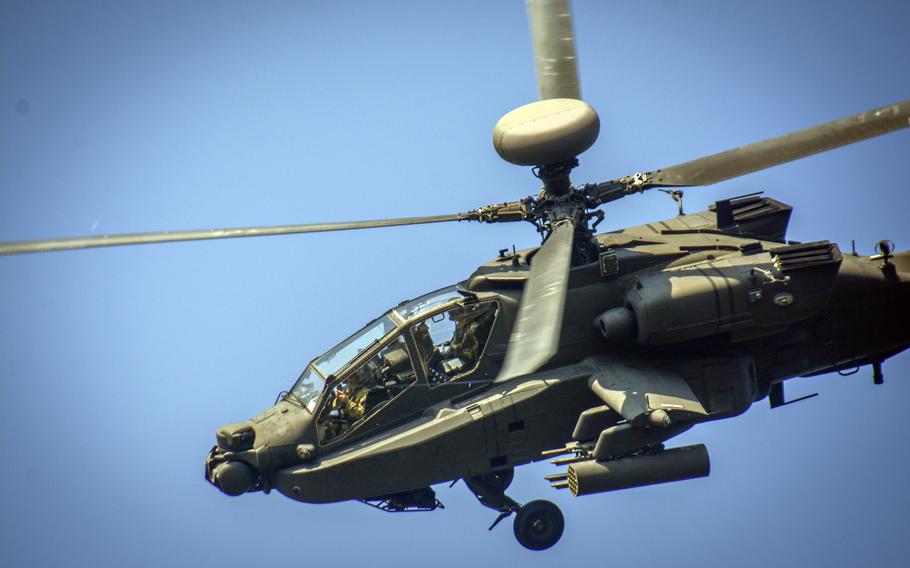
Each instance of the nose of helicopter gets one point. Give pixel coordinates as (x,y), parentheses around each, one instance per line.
(247,452)
(232,464)
(232,477)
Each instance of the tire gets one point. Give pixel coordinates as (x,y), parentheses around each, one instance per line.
(538,525)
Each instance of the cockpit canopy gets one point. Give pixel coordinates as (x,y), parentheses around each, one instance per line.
(421,343)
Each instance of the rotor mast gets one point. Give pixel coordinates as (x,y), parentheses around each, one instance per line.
(550,134)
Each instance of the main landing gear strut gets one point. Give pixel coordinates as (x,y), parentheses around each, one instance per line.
(538,524)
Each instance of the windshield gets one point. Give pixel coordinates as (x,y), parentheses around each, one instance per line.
(312,381)
(307,388)
(427,302)
(347,350)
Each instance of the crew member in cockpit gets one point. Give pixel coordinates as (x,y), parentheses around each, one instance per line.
(349,405)
(472,326)
(447,359)
(351,400)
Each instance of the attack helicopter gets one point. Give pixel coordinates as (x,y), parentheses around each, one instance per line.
(564,332)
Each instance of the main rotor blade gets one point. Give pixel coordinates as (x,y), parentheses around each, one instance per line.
(554,49)
(22,247)
(535,335)
(786,148)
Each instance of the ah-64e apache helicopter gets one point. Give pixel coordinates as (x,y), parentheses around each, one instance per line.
(593,349)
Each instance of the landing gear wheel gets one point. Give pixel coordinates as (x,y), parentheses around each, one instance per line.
(539,525)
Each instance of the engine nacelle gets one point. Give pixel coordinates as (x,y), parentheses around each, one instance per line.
(749,295)
(679,305)
(616,324)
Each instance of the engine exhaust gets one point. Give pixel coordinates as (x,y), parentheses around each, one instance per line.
(677,464)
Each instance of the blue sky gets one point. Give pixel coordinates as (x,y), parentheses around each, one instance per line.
(117,366)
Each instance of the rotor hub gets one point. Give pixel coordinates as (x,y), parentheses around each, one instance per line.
(555,178)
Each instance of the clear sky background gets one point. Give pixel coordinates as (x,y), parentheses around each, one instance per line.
(117,365)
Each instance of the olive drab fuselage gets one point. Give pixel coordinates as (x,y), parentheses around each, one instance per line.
(594,350)
(706,319)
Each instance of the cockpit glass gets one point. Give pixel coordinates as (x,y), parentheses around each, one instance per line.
(450,343)
(347,350)
(427,302)
(307,388)
(365,390)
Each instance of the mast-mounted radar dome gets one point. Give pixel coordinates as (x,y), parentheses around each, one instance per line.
(550,131)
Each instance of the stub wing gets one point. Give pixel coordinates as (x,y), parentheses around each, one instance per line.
(641,394)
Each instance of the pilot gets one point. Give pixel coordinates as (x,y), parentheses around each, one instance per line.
(351,402)
(472,326)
